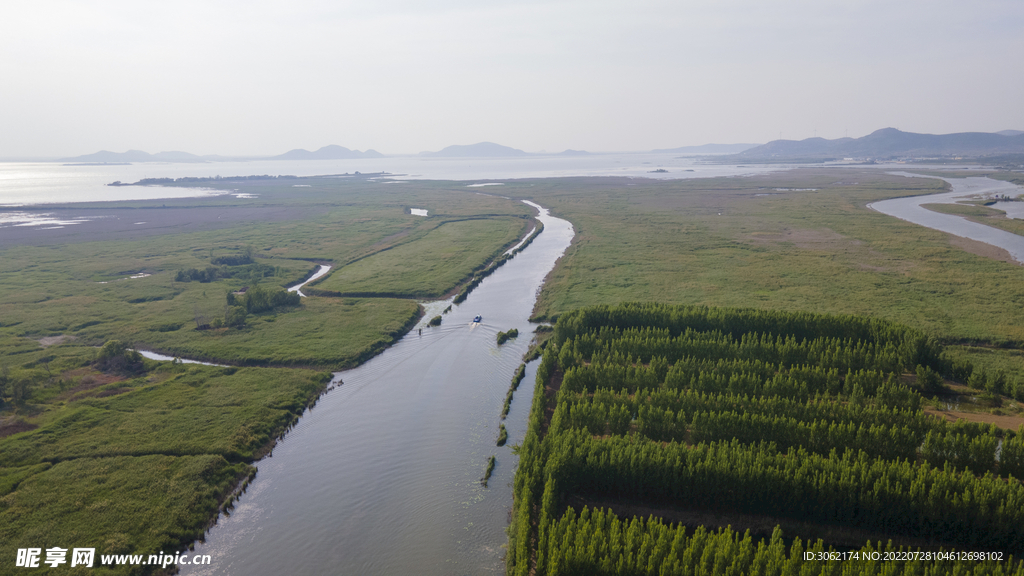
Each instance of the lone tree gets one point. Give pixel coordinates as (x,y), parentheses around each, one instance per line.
(115,356)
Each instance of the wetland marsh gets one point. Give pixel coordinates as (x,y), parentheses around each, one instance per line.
(423,418)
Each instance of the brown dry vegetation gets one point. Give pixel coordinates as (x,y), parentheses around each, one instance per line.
(1005,422)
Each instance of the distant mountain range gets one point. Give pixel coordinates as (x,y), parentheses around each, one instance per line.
(491,150)
(479,150)
(105,156)
(881,144)
(892,143)
(708,149)
(331,152)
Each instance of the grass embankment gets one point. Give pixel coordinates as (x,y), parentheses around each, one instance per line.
(430,267)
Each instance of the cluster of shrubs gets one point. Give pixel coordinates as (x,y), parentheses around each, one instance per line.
(503,337)
(116,356)
(222,268)
(253,301)
(213,273)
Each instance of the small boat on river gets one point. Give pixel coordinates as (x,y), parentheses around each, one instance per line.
(478,319)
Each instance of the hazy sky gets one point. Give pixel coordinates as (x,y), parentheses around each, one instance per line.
(402,76)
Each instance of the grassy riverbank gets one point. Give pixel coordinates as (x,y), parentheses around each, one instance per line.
(431,266)
(134,463)
(982,215)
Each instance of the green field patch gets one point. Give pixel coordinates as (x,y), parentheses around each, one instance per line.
(201,410)
(10,478)
(323,332)
(432,265)
(121,505)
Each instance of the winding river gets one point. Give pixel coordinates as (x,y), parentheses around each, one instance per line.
(910,209)
(383,475)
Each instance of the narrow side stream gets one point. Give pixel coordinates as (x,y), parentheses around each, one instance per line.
(324,269)
(910,209)
(383,475)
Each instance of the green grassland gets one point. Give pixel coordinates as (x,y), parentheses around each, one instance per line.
(760,242)
(116,505)
(179,410)
(432,266)
(136,464)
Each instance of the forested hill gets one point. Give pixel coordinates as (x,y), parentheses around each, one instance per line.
(890,142)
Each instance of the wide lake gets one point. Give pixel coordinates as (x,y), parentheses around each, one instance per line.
(26,183)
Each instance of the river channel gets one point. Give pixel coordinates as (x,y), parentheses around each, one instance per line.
(910,209)
(383,475)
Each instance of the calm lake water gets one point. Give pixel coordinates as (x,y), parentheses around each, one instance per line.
(26,183)
(383,475)
(910,209)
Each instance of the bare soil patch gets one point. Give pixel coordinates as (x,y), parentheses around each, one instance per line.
(54,340)
(981,249)
(13,425)
(1005,422)
(89,379)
